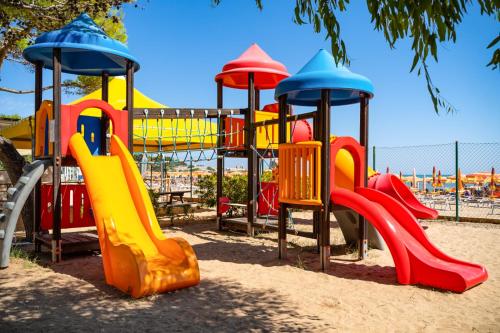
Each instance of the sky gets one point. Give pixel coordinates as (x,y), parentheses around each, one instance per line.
(182,45)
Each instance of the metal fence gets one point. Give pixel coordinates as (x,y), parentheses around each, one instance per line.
(434,172)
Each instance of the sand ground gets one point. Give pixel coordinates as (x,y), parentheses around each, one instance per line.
(245,288)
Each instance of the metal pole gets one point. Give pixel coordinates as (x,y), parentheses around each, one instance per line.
(457,194)
(37,193)
(56,158)
(324,225)
(252,156)
(220,153)
(282,242)
(363,139)
(104,119)
(373,162)
(130,104)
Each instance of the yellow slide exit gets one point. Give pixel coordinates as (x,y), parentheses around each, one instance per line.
(138,259)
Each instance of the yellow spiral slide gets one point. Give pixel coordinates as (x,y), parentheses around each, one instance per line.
(137,258)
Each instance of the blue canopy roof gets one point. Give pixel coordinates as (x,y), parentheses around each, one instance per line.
(85,48)
(321,72)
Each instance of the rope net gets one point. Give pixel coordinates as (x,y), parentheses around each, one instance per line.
(168,149)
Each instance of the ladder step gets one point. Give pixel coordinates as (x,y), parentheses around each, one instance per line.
(24,179)
(11,191)
(10,205)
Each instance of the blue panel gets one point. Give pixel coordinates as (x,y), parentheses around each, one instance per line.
(85,48)
(322,73)
(91,132)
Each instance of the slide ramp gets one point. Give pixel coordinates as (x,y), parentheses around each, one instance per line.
(16,199)
(393,186)
(137,258)
(416,259)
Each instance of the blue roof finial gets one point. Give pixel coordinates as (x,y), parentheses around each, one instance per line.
(321,72)
(85,47)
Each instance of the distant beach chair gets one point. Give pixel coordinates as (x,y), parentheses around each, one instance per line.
(494,206)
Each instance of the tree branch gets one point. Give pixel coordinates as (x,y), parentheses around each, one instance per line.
(31,91)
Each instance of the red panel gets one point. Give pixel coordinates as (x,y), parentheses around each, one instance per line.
(234,128)
(268,196)
(69,120)
(76,209)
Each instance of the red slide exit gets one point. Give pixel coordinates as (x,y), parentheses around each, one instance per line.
(416,259)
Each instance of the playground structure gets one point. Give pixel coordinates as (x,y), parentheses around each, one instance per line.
(137,258)
(314,171)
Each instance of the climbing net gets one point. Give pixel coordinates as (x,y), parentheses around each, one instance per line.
(169,143)
(266,150)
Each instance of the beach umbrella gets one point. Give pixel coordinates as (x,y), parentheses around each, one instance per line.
(492,181)
(460,183)
(434,176)
(400,175)
(439,181)
(424,184)
(387,170)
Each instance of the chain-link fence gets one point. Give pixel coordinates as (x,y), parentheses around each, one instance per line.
(434,172)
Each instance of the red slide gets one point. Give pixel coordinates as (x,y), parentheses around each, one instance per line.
(393,186)
(416,259)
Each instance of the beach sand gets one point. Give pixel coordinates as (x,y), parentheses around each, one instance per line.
(245,288)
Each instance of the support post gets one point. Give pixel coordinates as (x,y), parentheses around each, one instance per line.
(220,154)
(104,119)
(257,99)
(457,194)
(252,156)
(374,160)
(316,213)
(282,209)
(56,158)
(37,205)
(130,104)
(324,225)
(363,140)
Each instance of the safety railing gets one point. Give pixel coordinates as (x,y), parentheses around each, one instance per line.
(299,173)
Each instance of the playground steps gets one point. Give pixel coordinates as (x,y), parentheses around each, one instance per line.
(73,242)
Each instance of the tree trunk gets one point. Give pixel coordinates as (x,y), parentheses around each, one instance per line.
(13,163)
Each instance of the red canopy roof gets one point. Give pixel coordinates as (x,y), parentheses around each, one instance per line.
(267,72)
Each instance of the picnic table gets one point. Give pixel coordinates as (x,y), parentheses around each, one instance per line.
(173,194)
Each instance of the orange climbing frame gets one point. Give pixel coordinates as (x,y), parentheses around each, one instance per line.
(300,173)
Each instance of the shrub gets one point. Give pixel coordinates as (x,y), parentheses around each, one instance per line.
(234,187)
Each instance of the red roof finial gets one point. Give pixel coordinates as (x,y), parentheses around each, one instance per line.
(267,72)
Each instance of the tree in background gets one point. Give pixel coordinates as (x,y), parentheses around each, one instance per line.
(234,187)
(425,22)
(21,21)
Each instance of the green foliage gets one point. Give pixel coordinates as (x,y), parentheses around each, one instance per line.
(22,20)
(207,190)
(234,187)
(29,260)
(426,23)
(267,176)
(14,116)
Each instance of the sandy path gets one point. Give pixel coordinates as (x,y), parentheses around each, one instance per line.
(245,288)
